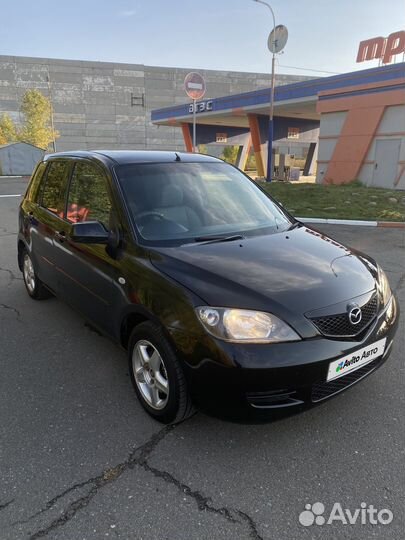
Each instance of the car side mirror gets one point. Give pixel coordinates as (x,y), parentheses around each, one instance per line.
(89,232)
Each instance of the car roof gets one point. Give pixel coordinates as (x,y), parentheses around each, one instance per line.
(135,156)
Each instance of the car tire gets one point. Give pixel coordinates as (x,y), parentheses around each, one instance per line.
(157,376)
(35,288)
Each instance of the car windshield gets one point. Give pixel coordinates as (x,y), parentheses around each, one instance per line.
(195,202)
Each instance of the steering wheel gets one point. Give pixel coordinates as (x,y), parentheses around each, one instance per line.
(140,218)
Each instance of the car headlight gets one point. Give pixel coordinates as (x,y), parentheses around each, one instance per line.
(243,325)
(383,287)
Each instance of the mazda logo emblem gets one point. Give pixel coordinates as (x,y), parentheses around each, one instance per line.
(354,313)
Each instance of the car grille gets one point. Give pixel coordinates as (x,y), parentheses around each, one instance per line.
(325,389)
(340,326)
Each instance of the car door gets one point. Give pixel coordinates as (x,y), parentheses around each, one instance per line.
(46,220)
(90,272)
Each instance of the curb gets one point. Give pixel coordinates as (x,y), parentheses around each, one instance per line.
(328,221)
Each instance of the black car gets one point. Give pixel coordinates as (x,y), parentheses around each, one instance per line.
(214,289)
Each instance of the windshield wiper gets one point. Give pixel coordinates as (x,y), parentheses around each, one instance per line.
(215,239)
(294,225)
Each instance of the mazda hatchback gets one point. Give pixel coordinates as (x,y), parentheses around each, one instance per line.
(217,293)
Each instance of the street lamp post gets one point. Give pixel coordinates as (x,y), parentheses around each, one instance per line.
(51,112)
(273,65)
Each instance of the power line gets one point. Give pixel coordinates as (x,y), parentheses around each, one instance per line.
(310,69)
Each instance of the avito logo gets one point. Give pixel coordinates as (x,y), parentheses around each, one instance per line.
(355,359)
(314,514)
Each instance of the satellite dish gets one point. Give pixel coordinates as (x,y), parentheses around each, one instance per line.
(277,39)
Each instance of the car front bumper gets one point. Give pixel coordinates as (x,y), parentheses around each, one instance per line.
(280,375)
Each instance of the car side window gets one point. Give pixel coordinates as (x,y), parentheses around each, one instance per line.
(88,198)
(54,189)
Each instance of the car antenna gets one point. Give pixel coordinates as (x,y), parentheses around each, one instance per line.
(177,157)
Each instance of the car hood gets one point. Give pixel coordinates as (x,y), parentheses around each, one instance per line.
(288,273)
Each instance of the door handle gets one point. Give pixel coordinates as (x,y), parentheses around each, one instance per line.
(61,236)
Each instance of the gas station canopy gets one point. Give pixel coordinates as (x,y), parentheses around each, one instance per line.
(340,115)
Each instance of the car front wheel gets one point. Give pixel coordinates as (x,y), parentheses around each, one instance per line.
(157,375)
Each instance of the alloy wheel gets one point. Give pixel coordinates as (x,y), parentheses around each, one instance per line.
(150,374)
(29,273)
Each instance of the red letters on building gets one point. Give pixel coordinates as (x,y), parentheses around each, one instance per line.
(395,45)
(384,48)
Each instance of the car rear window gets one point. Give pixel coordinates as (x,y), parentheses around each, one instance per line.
(54,189)
(32,190)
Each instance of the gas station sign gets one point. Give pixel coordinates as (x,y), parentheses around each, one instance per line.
(382,48)
(201,106)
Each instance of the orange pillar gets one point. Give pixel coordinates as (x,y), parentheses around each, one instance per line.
(401,172)
(187,137)
(255,133)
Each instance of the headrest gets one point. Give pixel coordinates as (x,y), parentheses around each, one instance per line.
(171,196)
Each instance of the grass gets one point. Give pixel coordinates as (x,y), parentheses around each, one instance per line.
(350,201)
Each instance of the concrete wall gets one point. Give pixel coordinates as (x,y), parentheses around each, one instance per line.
(92,100)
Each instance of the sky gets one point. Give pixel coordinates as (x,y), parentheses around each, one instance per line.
(212,34)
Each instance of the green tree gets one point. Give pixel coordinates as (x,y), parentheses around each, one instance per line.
(8,130)
(202,148)
(230,154)
(251,163)
(37,111)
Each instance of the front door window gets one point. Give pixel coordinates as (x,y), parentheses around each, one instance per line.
(88,199)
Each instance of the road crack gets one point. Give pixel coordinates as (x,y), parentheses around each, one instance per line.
(4,505)
(11,274)
(139,458)
(204,503)
(98,482)
(11,308)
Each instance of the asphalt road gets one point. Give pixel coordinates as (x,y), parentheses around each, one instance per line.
(79,459)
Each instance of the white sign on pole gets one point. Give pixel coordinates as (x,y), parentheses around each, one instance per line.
(194,85)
